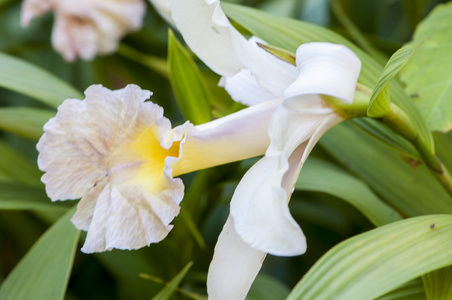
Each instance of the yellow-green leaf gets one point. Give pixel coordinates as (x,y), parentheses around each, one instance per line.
(189,86)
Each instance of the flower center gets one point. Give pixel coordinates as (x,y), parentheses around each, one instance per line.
(141,160)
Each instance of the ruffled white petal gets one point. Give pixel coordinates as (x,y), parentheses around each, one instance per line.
(211,36)
(115,151)
(234,266)
(327,69)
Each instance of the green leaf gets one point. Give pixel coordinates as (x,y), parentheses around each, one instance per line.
(24,78)
(413,290)
(438,284)
(25,121)
(417,192)
(427,76)
(16,196)
(380,101)
(289,34)
(44,271)
(321,176)
(280,53)
(17,167)
(189,86)
(171,287)
(373,263)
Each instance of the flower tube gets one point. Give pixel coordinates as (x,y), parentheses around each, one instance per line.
(119,154)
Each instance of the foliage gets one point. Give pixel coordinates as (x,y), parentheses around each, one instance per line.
(377,215)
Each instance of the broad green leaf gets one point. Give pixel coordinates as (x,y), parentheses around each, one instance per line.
(24,121)
(413,290)
(438,284)
(409,188)
(289,34)
(172,286)
(373,263)
(321,176)
(380,101)
(16,196)
(427,76)
(43,273)
(18,168)
(189,86)
(24,78)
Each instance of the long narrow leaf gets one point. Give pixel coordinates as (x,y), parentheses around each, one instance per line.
(44,271)
(373,263)
(438,284)
(189,87)
(16,196)
(173,284)
(22,77)
(24,121)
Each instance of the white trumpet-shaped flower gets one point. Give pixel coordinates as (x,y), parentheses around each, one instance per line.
(119,154)
(84,28)
(260,221)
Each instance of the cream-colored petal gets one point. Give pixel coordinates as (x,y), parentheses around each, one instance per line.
(238,136)
(234,266)
(84,28)
(327,69)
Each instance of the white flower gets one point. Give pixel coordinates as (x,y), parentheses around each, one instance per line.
(84,28)
(260,221)
(119,154)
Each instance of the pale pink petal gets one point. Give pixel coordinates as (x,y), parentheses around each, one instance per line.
(234,266)
(85,28)
(35,8)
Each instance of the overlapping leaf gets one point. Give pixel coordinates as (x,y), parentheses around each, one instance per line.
(428,75)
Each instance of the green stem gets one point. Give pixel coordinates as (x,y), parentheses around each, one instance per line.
(156,64)
(399,122)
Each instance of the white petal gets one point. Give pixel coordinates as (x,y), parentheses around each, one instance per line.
(327,69)
(260,212)
(220,46)
(162,7)
(243,87)
(208,33)
(234,266)
(235,137)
